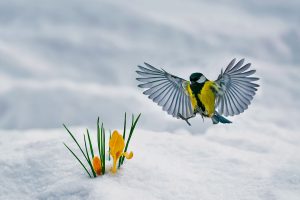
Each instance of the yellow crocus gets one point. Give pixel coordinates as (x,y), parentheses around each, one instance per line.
(97,165)
(117,144)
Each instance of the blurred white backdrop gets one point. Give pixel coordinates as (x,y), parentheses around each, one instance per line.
(72,61)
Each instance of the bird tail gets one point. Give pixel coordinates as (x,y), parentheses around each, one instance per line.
(216,118)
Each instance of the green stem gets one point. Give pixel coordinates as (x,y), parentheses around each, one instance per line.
(103,150)
(76,142)
(91,146)
(88,156)
(109,146)
(98,138)
(133,125)
(124,135)
(78,160)
(124,130)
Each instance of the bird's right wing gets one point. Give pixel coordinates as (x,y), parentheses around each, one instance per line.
(167,90)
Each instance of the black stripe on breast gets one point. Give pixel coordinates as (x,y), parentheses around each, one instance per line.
(196,89)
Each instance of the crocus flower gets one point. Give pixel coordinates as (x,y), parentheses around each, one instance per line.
(97,165)
(116,144)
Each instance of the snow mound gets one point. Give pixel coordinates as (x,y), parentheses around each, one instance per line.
(222,164)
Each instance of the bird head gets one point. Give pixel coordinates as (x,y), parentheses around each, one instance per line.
(197,77)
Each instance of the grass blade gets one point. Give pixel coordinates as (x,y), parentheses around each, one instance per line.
(133,125)
(98,138)
(124,130)
(88,156)
(78,160)
(91,146)
(75,142)
(124,135)
(103,150)
(109,146)
(132,120)
(101,144)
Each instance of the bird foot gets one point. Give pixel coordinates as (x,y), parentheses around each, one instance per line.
(202,113)
(185,119)
(202,117)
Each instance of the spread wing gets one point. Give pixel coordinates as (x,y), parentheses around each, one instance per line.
(167,90)
(236,88)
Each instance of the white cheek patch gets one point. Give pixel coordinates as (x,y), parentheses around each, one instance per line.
(202,79)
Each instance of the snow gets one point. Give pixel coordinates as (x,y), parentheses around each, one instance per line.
(225,163)
(70,62)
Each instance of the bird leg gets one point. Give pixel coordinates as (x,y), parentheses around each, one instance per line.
(185,119)
(202,117)
(202,113)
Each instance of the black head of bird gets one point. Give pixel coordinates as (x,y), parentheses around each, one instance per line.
(197,77)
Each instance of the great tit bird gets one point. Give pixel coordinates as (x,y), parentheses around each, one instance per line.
(229,95)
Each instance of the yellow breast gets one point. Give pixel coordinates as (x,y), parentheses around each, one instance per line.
(207,97)
(191,95)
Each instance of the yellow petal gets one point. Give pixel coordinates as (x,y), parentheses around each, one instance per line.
(128,155)
(97,165)
(116,144)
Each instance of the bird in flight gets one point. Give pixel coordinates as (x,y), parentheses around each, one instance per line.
(229,95)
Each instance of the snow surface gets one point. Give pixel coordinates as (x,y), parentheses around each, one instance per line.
(225,163)
(69,62)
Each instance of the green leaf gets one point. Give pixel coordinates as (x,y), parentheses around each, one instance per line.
(91,146)
(133,125)
(109,146)
(124,130)
(75,142)
(103,150)
(101,144)
(88,156)
(132,120)
(124,135)
(79,161)
(98,138)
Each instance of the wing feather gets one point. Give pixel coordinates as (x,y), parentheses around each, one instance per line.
(176,105)
(234,105)
(237,88)
(165,89)
(148,71)
(160,95)
(242,69)
(159,91)
(230,65)
(239,99)
(245,98)
(154,88)
(165,97)
(237,66)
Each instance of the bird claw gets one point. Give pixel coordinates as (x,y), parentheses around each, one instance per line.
(202,113)
(185,119)
(202,117)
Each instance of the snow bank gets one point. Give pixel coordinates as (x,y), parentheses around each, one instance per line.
(224,163)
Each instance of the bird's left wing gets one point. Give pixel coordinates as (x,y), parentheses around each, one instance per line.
(167,90)
(236,88)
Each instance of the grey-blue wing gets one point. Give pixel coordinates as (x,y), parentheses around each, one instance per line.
(236,88)
(167,90)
